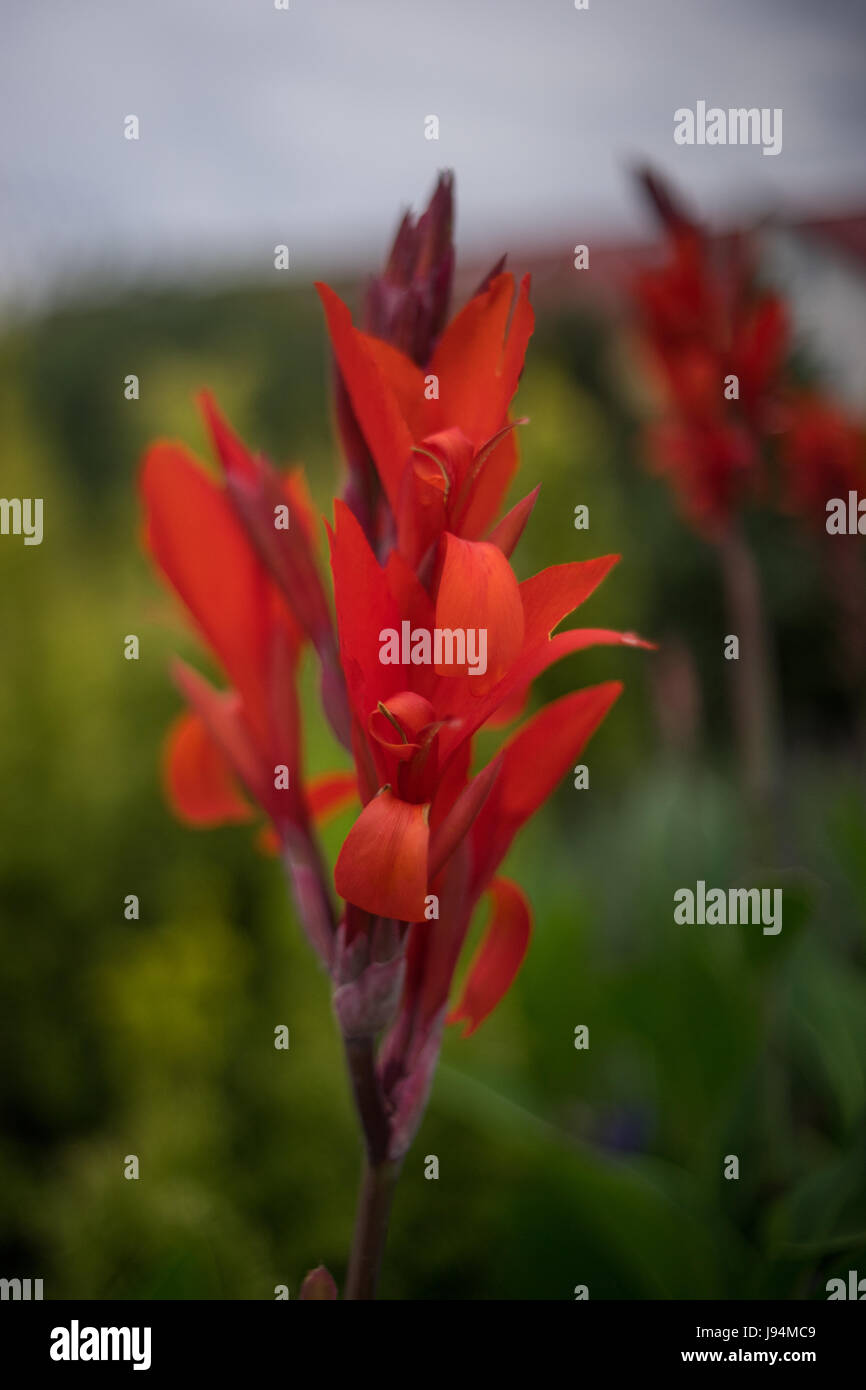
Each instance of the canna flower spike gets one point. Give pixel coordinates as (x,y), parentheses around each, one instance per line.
(420,558)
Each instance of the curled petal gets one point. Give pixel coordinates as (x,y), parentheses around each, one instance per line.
(382,866)
(498,958)
(400,724)
(448,456)
(412,711)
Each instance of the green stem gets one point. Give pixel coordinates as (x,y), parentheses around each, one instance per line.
(361,1061)
(754,696)
(371,1228)
(379,1175)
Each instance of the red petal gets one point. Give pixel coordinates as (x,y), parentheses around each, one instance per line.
(432,951)
(222,713)
(301,504)
(412,599)
(534,760)
(200,782)
(237,461)
(509,530)
(468,715)
(451,782)
(498,958)
(382,866)
(256,490)
(454,454)
(519,333)
(205,553)
(493,468)
(388,437)
(400,725)
(422,514)
(414,605)
(289,557)
(551,595)
(471,366)
(406,383)
(365,607)
(457,821)
(478,590)
(510,709)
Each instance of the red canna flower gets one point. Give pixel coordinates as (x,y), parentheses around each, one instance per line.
(430,837)
(435,638)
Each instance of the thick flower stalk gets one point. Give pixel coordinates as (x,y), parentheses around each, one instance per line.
(433,638)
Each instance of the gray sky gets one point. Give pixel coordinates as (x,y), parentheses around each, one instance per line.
(260,126)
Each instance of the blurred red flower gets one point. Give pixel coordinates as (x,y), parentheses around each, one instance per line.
(824,457)
(704,320)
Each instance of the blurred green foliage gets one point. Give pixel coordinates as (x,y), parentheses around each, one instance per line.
(558,1166)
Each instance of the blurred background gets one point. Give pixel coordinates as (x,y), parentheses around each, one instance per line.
(155,1037)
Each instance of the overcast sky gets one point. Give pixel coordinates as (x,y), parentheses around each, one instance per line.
(307,127)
